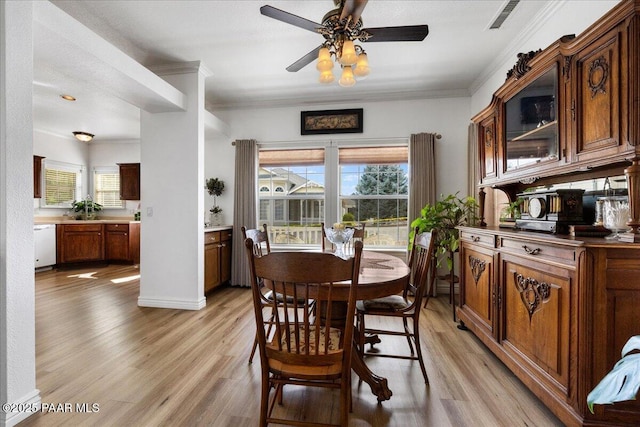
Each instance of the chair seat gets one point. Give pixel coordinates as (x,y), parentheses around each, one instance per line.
(334,338)
(389,303)
(269,295)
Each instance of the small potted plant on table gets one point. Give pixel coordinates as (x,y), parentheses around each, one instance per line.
(215,187)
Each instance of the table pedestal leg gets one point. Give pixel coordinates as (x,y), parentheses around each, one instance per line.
(378,384)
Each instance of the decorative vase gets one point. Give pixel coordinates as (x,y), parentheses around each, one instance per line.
(215,218)
(338,237)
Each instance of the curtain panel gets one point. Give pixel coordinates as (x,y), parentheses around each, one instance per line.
(244,207)
(422,173)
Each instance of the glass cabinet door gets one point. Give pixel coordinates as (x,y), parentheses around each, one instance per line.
(531,125)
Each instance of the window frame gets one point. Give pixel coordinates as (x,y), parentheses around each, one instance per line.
(110,170)
(77,169)
(332,197)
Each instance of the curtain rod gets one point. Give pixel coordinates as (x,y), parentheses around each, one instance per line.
(437,135)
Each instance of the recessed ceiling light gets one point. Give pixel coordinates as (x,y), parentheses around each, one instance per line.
(68,97)
(83,136)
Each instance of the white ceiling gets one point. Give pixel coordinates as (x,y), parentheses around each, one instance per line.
(247,53)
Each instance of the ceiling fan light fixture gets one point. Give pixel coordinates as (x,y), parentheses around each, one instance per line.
(347,79)
(83,136)
(324,60)
(348,54)
(362,66)
(326,77)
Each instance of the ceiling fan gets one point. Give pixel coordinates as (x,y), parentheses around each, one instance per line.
(340,27)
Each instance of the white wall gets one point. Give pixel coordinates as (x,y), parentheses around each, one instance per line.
(17,299)
(394,119)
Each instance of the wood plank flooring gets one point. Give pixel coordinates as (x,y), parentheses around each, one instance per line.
(161,367)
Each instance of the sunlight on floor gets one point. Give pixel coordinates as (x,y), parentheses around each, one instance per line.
(125,279)
(85,275)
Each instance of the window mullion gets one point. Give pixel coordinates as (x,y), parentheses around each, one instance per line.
(332,181)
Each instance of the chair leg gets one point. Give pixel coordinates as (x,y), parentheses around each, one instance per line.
(432,281)
(253,350)
(360,331)
(408,334)
(416,337)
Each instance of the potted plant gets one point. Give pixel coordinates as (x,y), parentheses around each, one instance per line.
(443,217)
(215,187)
(86,209)
(623,381)
(511,212)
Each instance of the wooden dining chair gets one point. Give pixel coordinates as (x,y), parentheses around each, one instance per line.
(305,347)
(406,306)
(358,235)
(261,246)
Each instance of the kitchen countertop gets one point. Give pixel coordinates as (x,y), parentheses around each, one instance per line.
(69,220)
(217,228)
(111,220)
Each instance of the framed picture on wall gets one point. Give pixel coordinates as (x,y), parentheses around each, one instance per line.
(331,121)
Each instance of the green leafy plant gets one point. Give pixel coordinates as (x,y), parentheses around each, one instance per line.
(623,381)
(512,210)
(214,187)
(443,217)
(79,206)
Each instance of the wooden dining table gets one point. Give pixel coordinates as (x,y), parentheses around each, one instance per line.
(380,275)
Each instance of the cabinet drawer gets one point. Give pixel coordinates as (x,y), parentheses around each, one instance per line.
(82,228)
(565,255)
(211,237)
(226,235)
(117,227)
(481,239)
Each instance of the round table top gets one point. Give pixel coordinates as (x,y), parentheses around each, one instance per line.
(381,275)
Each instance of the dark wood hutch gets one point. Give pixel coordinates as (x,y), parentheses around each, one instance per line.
(557,309)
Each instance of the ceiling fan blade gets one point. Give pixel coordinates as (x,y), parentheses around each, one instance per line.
(409,33)
(289,18)
(353,8)
(304,61)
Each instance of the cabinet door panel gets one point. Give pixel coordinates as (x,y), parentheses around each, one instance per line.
(597,99)
(78,245)
(478,294)
(211,266)
(129,181)
(118,245)
(536,309)
(488,138)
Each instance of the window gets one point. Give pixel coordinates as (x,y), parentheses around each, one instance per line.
(106,187)
(374,189)
(370,184)
(295,208)
(62,184)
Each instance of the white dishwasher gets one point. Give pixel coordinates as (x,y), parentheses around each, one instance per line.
(45,244)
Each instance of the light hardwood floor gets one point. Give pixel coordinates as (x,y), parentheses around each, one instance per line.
(161,367)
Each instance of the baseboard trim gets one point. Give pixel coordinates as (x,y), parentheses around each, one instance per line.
(171,303)
(30,402)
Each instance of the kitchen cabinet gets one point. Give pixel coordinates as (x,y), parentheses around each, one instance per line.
(217,258)
(134,242)
(129,181)
(117,242)
(101,242)
(79,243)
(37,176)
